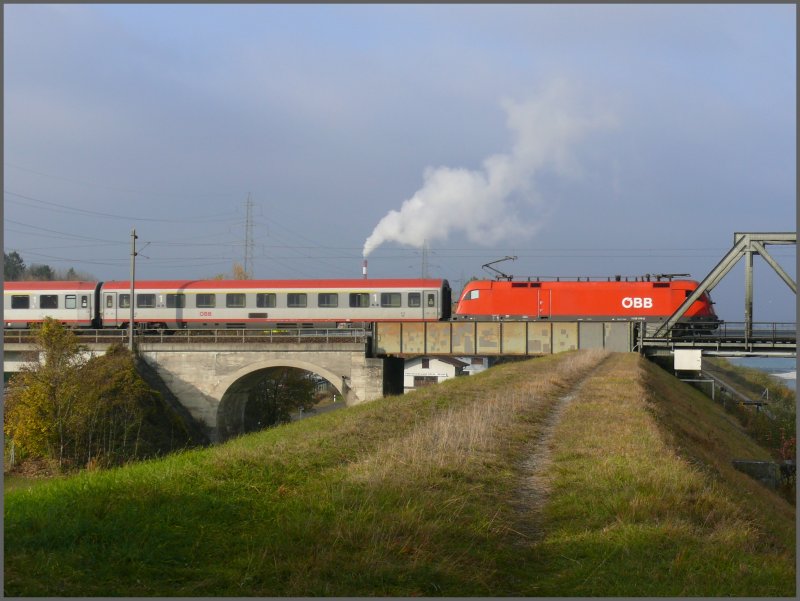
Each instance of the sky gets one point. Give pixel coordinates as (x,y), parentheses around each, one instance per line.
(586,140)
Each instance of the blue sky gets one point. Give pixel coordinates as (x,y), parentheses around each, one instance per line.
(586,140)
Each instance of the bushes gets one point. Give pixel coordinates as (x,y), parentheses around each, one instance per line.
(74,410)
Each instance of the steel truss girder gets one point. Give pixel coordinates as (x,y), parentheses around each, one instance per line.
(744,244)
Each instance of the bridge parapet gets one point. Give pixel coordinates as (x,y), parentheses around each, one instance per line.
(272,336)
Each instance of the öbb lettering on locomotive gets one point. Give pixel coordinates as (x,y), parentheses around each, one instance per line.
(637,303)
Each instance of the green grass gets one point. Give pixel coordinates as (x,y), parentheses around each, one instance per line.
(17,482)
(776,427)
(751,380)
(642,485)
(423,495)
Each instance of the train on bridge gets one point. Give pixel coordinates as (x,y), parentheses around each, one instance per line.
(343,303)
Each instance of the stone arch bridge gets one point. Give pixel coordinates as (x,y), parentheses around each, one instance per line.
(210,373)
(213,384)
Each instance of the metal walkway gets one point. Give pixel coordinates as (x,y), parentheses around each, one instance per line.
(728,339)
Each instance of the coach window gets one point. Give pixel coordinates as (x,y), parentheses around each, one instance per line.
(390,299)
(84,301)
(234,300)
(19,301)
(48,301)
(145,301)
(206,301)
(328,300)
(414,299)
(124,301)
(359,299)
(70,301)
(176,301)
(431,300)
(266,300)
(296,299)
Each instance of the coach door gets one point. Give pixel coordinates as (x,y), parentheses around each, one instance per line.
(109,308)
(430,304)
(545,299)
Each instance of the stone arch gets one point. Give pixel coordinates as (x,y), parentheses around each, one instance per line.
(232,390)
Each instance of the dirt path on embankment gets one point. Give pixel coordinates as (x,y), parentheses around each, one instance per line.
(479,424)
(534,486)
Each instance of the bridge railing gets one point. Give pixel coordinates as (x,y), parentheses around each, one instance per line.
(321,336)
(28,336)
(254,336)
(730,331)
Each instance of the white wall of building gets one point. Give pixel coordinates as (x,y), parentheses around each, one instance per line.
(430,368)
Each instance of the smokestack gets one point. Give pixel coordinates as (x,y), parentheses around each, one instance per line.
(364,269)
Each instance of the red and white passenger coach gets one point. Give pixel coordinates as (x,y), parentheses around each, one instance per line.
(72,303)
(174,304)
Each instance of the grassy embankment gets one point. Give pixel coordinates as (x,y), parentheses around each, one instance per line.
(775,428)
(472,487)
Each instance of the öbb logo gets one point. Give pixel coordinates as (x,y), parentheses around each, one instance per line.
(637,302)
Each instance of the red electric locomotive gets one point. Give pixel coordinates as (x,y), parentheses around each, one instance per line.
(609,300)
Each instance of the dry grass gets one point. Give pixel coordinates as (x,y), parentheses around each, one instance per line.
(467,433)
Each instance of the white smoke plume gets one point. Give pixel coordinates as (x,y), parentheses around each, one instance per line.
(484,203)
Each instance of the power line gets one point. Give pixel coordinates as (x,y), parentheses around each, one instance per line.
(116,189)
(66,208)
(70,235)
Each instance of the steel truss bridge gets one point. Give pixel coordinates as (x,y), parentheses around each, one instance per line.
(745,338)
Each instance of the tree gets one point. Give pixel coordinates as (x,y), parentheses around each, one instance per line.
(277,395)
(73,275)
(239,273)
(13,266)
(14,269)
(40,272)
(42,397)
